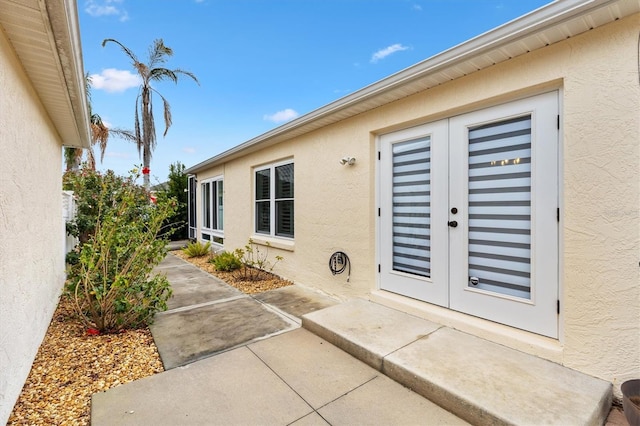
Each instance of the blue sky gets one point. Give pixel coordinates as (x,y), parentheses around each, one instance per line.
(260,63)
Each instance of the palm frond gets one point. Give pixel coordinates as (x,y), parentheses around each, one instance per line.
(99,134)
(139,141)
(187,73)
(148,122)
(167,116)
(91,159)
(158,53)
(168,121)
(126,134)
(159,74)
(143,72)
(125,49)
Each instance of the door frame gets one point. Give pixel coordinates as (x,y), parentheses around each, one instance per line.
(552,311)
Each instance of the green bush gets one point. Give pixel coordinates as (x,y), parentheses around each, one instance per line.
(112,283)
(96,193)
(226,261)
(175,226)
(196,249)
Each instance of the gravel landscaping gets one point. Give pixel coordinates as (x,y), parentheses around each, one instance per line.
(249,287)
(72,364)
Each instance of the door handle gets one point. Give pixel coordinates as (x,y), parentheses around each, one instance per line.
(453,223)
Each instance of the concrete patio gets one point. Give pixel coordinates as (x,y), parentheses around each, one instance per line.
(237,359)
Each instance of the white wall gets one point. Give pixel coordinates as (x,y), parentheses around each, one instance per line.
(31,226)
(597,74)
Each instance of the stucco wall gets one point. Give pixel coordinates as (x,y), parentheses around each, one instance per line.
(31,228)
(597,75)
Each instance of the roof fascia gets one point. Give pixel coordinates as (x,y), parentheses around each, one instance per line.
(65,36)
(537,21)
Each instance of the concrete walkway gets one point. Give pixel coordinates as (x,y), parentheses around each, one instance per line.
(233,359)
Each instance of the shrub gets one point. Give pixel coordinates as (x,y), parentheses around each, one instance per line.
(96,193)
(255,263)
(226,261)
(112,284)
(196,249)
(176,225)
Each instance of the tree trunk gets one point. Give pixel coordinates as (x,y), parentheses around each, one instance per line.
(146,161)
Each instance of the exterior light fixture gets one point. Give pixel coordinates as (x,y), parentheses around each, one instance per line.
(348,160)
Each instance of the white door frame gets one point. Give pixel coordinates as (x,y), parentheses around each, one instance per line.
(448,285)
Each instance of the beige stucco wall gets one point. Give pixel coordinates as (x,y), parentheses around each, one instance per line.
(597,76)
(31,228)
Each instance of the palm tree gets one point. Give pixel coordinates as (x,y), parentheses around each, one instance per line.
(152,71)
(72,158)
(99,135)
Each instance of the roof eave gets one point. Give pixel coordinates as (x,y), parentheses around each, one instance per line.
(55,69)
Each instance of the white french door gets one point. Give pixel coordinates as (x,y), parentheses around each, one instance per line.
(468,211)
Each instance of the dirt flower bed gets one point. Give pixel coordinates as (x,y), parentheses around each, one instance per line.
(71,365)
(233,278)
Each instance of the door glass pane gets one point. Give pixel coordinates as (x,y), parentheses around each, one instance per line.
(500,207)
(412,206)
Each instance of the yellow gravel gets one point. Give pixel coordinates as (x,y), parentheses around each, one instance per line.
(71,366)
(272,281)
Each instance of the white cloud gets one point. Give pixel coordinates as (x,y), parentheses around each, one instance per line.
(417,7)
(282,116)
(189,150)
(97,8)
(112,80)
(383,53)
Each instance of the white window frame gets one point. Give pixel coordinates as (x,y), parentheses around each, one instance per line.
(192,212)
(272,200)
(215,232)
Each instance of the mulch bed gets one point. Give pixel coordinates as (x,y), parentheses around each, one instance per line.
(234,279)
(71,364)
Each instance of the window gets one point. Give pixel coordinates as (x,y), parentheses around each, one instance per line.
(274,200)
(191,201)
(212,209)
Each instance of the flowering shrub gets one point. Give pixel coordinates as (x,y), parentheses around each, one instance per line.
(112,283)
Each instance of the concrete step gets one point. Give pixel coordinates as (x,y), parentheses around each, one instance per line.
(477,380)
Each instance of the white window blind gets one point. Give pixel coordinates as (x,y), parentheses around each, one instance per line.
(412,207)
(500,207)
